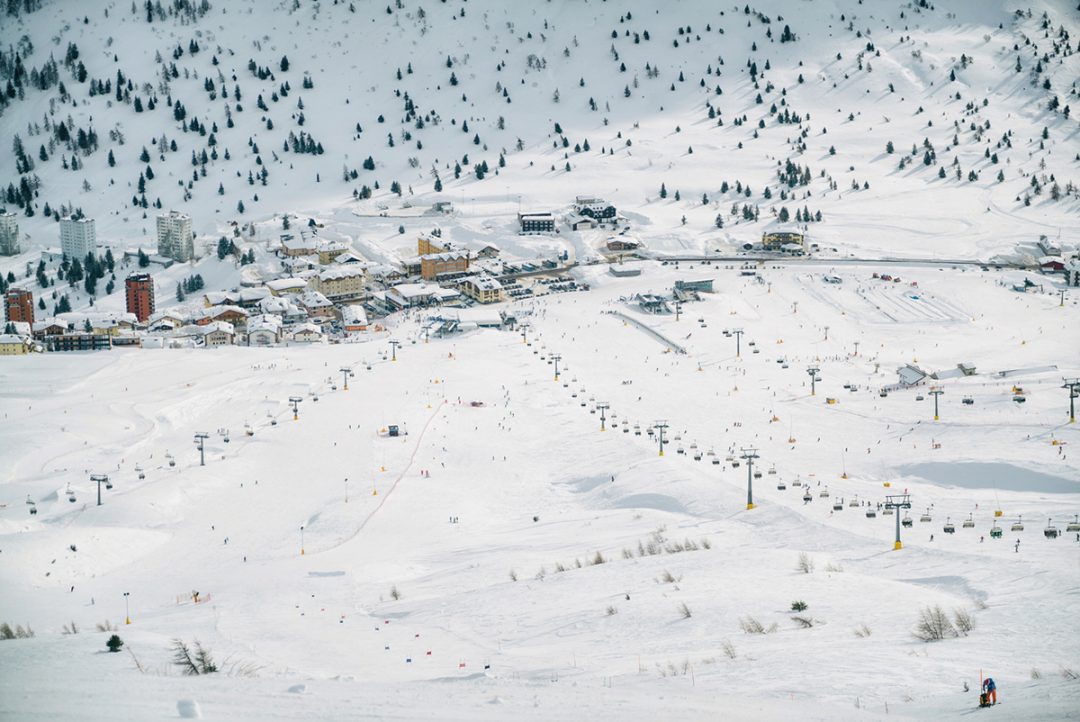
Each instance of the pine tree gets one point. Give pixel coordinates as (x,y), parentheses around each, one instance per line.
(179,293)
(663,191)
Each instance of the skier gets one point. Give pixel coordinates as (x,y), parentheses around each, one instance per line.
(989,693)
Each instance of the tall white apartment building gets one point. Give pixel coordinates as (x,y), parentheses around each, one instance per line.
(174,236)
(9,234)
(78,237)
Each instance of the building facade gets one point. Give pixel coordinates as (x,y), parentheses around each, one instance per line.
(341,284)
(139,289)
(482,289)
(776,240)
(434,264)
(536,223)
(9,234)
(78,237)
(19,306)
(174,236)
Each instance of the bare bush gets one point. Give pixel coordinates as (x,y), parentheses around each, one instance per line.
(830,567)
(728,648)
(1069,674)
(964,621)
(705,543)
(627,553)
(980,605)
(540,574)
(559,567)
(598,559)
(806,564)
(749,625)
(6,632)
(862,631)
(667,577)
(685,611)
(106,626)
(804,622)
(193,662)
(513,575)
(611,610)
(394,593)
(1035,673)
(70,628)
(933,625)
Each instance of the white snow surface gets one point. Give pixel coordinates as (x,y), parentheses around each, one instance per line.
(536,488)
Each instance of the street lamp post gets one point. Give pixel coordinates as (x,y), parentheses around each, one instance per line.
(678,309)
(935,393)
(295,401)
(200,438)
(898,502)
(393,350)
(525,333)
(603,406)
(346,372)
(856,348)
(660,426)
(127,608)
(556,358)
(301,540)
(100,479)
(826,333)
(813,371)
(749,455)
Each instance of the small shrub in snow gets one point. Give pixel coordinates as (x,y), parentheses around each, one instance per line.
(106,626)
(598,559)
(964,621)
(195,661)
(806,564)
(667,577)
(115,643)
(749,625)
(394,593)
(798,606)
(6,632)
(728,649)
(513,575)
(611,610)
(804,622)
(862,631)
(685,611)
(70,628)
(1035,673)
(1070,675)
(830,567)
(933,625)
(627,554)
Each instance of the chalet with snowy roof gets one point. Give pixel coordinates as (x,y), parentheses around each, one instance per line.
(263,330)
(488,250)
(911,375)
(482,289)
(622,243)
(385,273)
(330,250)
(12,344)
(278,286)
(218,333)
(535,223)
(595,208)
(291,247)
(316,305)
(48,327)
(580,222)
(229,314)
(354,319)
(306,333)
(1052,264)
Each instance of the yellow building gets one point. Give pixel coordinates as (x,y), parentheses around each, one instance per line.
(425,246)
(483,289)
(12,345)
(776,240)
(341,284)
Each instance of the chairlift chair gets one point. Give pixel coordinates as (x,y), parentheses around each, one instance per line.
(949,527)
(907,521)
(757,474)
(807,496)
(70,494)
(969,523)
(926,517)
(1073,525)
(887,511)
(735,464)
(854,501)
(824,494)
(626,430)
(871,513)
(995,531)
(142,474)
(772,470)
(1051,531)
(1018,525)
(838,505)
(780,485)
(680,450)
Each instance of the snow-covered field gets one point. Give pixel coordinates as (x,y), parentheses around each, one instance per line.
(489,535)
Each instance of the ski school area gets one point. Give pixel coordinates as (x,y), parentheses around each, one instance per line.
(769,496)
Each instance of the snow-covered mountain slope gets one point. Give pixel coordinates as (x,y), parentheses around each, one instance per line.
(614,99)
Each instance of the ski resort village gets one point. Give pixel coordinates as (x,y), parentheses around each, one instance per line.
(765,319)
